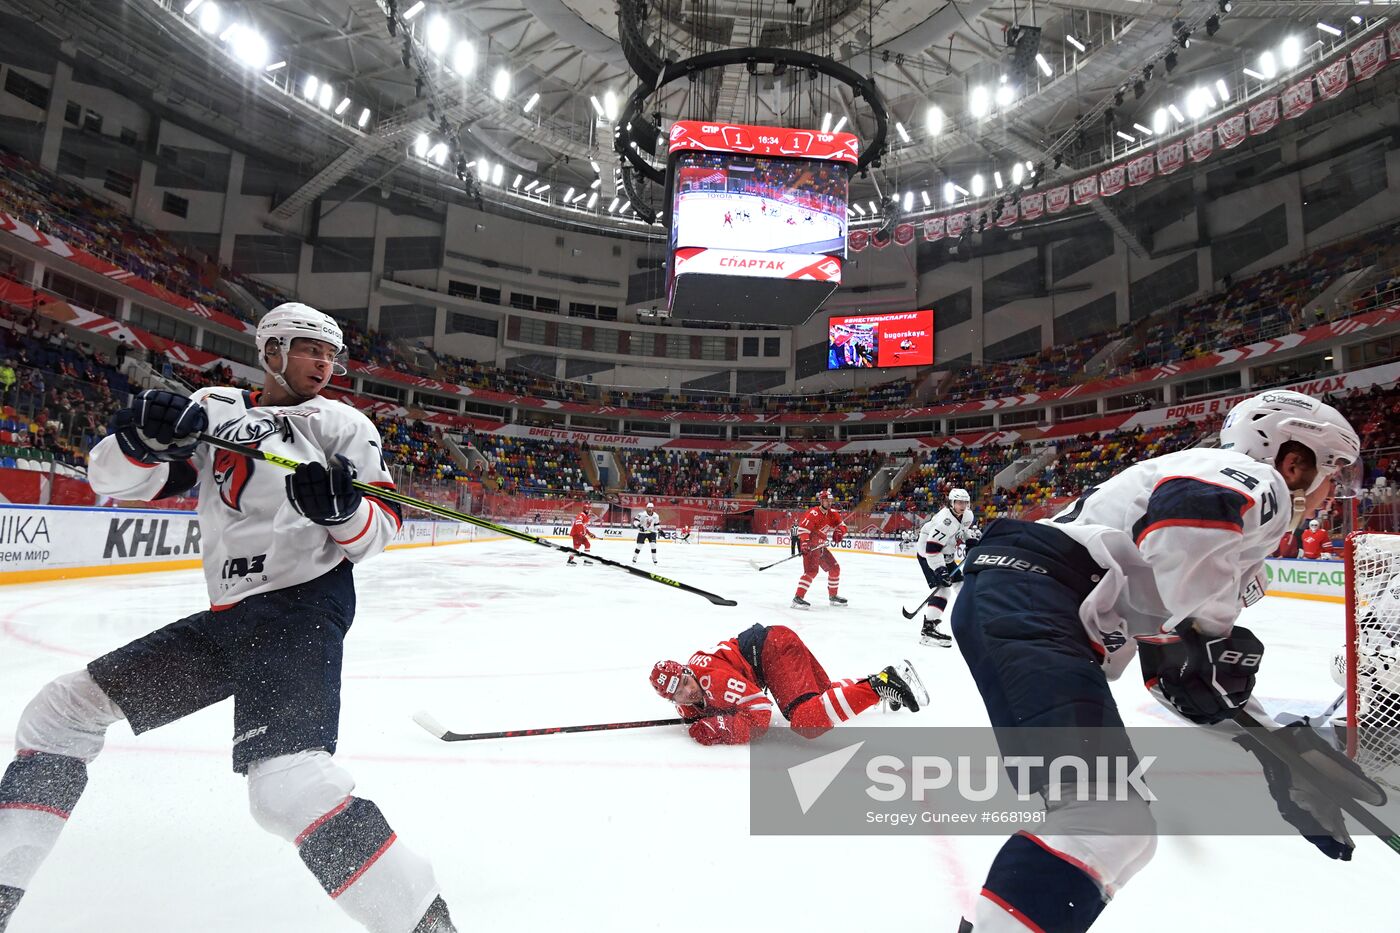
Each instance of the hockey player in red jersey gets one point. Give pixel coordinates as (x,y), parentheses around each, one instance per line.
(580,533)
(821,527)
(1316,542)
(726,689)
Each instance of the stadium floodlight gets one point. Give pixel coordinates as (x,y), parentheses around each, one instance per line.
(343,106)
(996,179)
(1358,20)
(413,11)
(908,200)
(934,119)
(613,206)
(839,123)
(483,170)
(1176,113)
(209,18)
(309,87)
(1329,29)
(581,196)
(229,32)
(276,66)
(464,57)
(1250,72)
(1044,65)
(826,123)
(1159,121)
(325,97)
(597,105)
(532,185)
(568,195)
(627,206)
(1075,42)
(593,164)
(518,179)
(979,101)
(420,146)
(596,183)
(192,6)
(500,85)
(438,35)
(1030,167)
(364,118)
(858,209)
(979,184)
(1142,129)
(542,189)
(1018,172)
(530,104)
(1223,89)
(610,105)
(1005,95)
(924,195)
(903,133)
(873,208)
(497,171)
(250,48)
(1196,104)
(592,200)
(1125,137)
(1291,51)
(438,153)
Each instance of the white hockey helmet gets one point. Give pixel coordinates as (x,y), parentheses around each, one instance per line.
(651,505)
(293,319)
(1314,525)
(1259,426)
(958,494)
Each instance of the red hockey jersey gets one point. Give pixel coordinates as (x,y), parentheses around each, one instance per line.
(1315,543)
(580,525)
(730,685)
(815,527)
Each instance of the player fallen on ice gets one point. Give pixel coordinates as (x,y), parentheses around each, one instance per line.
(936,548)
(648,524)
(1159,559)
(726,688)
(581,535)
(817,530)
(279,553)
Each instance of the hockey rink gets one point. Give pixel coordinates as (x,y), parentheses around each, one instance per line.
(615,831)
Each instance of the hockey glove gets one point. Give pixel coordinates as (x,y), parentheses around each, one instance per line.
(159,426)
(1202,677)
(838,536)
(724,729)
(1306,808)
(944,576)
(324,495)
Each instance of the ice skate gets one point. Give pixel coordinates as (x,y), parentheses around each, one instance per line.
(901,686)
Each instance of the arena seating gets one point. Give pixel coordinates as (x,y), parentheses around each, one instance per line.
(677,473)
(796,479)
(532,467)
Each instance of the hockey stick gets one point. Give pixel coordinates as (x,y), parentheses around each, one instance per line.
(757,566)
(393,495)
(1300,766)
(910,613)
(434,727)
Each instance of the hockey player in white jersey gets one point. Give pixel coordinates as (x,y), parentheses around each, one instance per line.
(278,563)
(939,541)
(648,524)
(1159,559)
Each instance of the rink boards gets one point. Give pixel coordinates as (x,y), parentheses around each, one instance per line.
(61,542)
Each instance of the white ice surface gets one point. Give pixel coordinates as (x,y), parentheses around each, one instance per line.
(617,831)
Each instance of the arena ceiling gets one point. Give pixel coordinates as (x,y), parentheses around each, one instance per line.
(947,71)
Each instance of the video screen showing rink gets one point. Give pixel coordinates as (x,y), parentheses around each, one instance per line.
(606,831)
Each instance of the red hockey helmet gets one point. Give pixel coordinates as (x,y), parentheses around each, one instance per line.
(666,677)
(826,495)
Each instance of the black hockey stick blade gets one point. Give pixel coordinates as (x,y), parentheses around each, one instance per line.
(1300,766)
(435,728)
(393,495)
(910,613)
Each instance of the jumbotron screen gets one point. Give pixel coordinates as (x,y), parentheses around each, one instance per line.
(879,341)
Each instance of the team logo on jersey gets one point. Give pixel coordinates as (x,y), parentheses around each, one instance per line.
(232,471)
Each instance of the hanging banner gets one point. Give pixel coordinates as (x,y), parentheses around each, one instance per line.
(1009,215)
(904,234)
(1297,99)
(1332,80)
(1086,189)
(1173,156)
(1200,145)
(879,238)
(1111,181)
(1140,170)
(1368,58)
(1057,199)
(858,240)
(1393,34)
(1032,206)
(933,228)
(1232,131)
(1263,116)
(957,223)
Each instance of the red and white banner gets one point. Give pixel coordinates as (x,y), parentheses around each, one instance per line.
(1141,170)
(1032,206)
(1010,213)
(957,223)
(904,234)
(1368,58)
(1393,34)
(1111,181)
(1200,145)
(934,228)
(1172,157)
(879,238)
(1297,99)
(1232,131)
(1263,116)
(815,267)
(1332,80)
(696,135)
(1057,199)
(1085,189)
(858,240)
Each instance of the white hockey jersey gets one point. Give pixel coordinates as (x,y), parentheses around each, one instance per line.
(647,522)
(943,535)
(253,540)
(1182,536)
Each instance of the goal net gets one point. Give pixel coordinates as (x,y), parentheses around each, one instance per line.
(1373,654)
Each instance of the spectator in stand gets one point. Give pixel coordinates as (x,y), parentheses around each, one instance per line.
(7,382)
